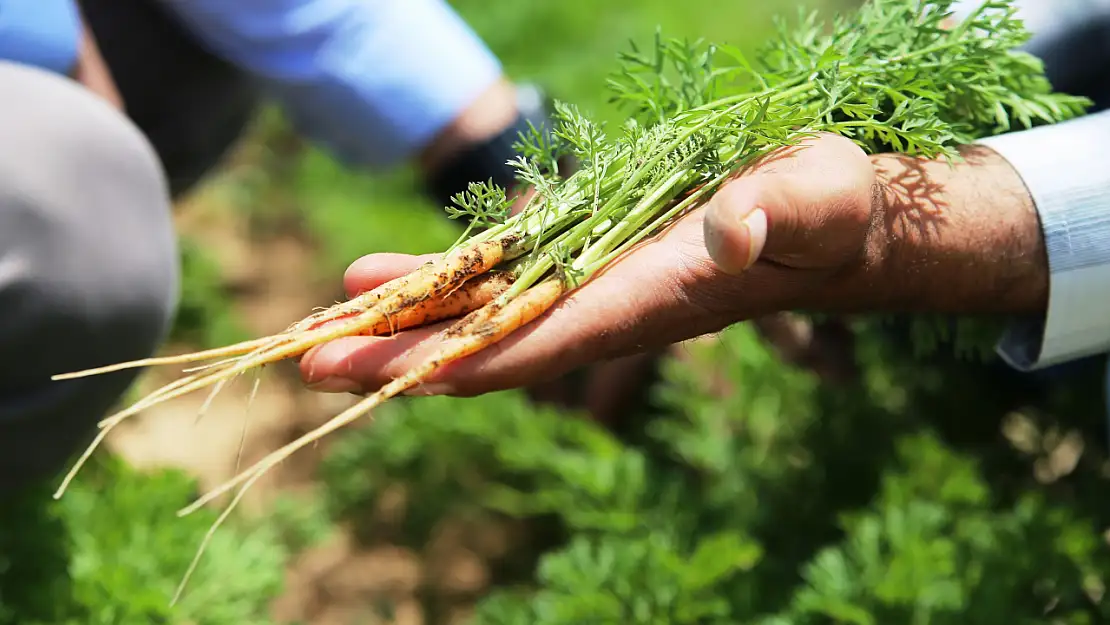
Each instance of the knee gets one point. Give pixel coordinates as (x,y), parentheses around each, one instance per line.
(88,264)
(85,227)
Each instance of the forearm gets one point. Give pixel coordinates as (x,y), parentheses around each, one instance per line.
(1019,228)
(1067,171)
(960,238)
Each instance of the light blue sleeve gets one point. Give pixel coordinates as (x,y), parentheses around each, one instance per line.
(40,33)
(371,80)
(1066,168)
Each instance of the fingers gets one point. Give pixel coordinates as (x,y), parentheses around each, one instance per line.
(578,330)
(735,231)
(357,364)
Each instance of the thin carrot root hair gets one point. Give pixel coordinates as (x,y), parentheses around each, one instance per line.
(456,284)
(477,331)
(458,267)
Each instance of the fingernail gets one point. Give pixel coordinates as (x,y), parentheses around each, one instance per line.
(335,384)
(756,223)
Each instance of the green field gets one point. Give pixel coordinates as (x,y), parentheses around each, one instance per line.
(748,491)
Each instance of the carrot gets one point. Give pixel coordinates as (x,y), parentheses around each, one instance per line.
(467,262)
(477,331)
(229,350)
(412,299)
(471,296)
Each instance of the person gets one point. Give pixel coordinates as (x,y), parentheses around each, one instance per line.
(1020,229)
(112,109)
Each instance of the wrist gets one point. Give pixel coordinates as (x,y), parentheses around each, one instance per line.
(954,239)
(490,114)
(481,146)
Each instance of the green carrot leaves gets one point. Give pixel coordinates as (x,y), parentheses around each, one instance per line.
(895,76)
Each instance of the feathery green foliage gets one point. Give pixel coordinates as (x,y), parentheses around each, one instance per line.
(890,77)
(105,555)
(753,494)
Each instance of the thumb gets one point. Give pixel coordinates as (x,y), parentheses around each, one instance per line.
(809,209)
(736,226)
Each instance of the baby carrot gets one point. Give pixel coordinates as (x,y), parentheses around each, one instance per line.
(411,299)
(469,297)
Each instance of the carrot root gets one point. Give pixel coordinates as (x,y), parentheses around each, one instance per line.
(475,332)
(469,297)
(433,291)
(149,400)
(230,350)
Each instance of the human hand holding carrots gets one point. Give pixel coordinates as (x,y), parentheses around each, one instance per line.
(690,281)
(624,255)
(819,227)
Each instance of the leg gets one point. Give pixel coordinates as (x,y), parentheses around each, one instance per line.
(88,265)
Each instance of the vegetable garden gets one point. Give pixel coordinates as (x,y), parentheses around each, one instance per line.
(922,486)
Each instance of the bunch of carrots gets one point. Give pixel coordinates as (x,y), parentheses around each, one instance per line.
(890,78)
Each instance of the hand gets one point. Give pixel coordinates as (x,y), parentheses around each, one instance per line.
(820,226)
(692,280)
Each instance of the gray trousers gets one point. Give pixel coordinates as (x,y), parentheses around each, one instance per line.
(88,265)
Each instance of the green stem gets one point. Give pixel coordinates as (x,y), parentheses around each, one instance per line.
(662,194)
(657,223)
(529,275)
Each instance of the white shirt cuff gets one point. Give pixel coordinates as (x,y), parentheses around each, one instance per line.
(1066,168)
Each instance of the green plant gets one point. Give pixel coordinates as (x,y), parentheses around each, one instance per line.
(935,548)
(891,78)
(111,554)
(759,495)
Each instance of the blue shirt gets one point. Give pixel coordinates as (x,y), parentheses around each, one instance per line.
(42,33)
(371,80)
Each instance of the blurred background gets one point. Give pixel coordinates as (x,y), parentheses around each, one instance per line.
(747,489)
